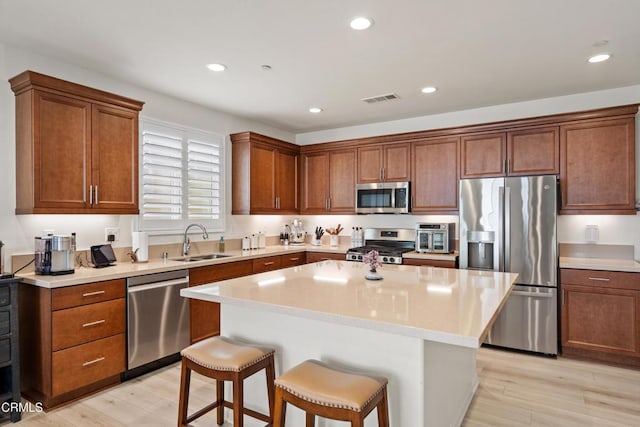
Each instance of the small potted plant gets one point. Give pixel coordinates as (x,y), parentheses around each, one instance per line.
(372,259)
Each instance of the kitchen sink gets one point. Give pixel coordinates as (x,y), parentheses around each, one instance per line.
(191,258)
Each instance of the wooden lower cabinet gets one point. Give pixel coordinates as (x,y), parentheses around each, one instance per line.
(324,256)
(204,315)
(293,259)
(430,262)
(601,315)
(269,263)
(72,340)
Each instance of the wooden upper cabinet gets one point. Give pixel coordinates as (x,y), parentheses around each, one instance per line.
(387,162)
(483,155)
(76,148)
(518,152)
(315,182)
(114,156)
(329,181)
(597,166)
(434,176)
(265,175)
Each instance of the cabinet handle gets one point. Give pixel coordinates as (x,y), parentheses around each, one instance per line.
(269,263)
(91,294)
(97,322)
(96,194)
(325,259)
(329,202)
(601,279)
(91,194)
(383,173)
(294,259)
(94,361)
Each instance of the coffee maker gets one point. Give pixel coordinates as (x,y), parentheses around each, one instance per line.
(297,234)
(55,254)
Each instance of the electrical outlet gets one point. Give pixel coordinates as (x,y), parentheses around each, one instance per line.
(111,231)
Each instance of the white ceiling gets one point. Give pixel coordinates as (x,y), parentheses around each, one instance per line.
(478,53)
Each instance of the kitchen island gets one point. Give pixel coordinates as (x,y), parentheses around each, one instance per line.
(419,326)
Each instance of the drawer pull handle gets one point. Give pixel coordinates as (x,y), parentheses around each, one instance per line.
(294,259)
(91,294)
(601,279)
(97,322)
(269,263)
(94,361)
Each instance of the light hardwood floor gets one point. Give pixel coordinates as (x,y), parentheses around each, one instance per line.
(515,390)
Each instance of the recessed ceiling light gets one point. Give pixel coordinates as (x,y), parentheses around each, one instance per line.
(315,110)
(216,67)
(599,57)
(361,23)
(429,89)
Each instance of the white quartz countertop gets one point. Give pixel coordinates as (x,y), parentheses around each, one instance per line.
(609,264)
(437,304)
(127,269)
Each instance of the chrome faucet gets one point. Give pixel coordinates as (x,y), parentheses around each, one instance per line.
(186,243)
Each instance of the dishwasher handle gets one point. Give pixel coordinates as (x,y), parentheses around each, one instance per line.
(155,285)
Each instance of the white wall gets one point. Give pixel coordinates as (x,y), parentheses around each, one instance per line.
(18,231)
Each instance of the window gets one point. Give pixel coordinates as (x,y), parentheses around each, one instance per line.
(182,178)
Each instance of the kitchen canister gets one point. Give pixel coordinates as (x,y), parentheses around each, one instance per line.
(140,245)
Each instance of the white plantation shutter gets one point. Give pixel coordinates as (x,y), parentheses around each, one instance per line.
(181,178)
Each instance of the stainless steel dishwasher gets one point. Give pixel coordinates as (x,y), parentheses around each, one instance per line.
(157,317)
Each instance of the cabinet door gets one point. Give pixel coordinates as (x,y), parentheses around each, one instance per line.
(533,151)
(115,160)
(435,176)
(483,155)
(263,176)
(370,164)
(315,182)
(601,319)
(342,181)
(62,152)
(597,167)
(287,182)
(205,315)
(397,164)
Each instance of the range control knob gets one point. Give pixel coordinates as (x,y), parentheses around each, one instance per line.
(392,259)
(359,257)
(385,259)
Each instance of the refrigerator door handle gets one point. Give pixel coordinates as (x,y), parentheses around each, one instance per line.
(501,230)
(507,228)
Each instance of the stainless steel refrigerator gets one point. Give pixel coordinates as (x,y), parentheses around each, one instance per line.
(509,224)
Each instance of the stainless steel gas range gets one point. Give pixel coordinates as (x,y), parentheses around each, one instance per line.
(390,243)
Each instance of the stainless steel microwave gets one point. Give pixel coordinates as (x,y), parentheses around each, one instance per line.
(382,197)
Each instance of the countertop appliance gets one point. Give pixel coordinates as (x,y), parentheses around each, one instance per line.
(435,238)
(509,224)
(382,197)
(390,243)
(55,255)
(157,320)
(297,234)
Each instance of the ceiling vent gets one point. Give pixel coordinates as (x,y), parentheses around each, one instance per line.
(381,98)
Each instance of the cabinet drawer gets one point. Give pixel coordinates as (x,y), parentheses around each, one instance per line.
(293,259)
(5,322)
(5,296)
(266,264)
(324,256)
(73,296)
(85,364)
(429,262)
(79,325)
(214,273)
(5,350)
(600,279)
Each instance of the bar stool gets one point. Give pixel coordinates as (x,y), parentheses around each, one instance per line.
(225,360)
(327,392)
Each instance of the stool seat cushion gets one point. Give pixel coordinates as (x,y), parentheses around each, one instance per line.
(224,354)
(317,383)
